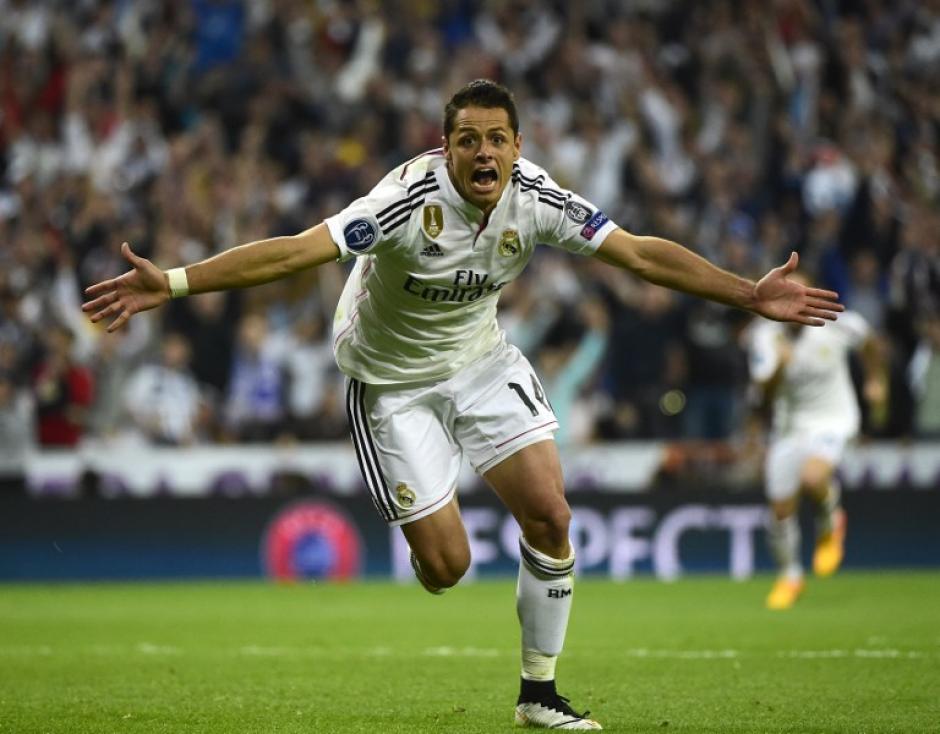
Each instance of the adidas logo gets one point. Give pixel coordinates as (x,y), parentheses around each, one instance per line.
(433,250)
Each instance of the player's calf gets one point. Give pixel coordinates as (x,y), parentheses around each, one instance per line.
(783,536)
(544,593)
(828,506)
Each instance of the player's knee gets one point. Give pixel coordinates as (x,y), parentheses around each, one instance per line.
(547,531)
(444,570)
(815,478)
(782,509)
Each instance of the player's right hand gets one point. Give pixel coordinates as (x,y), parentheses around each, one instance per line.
(140,289)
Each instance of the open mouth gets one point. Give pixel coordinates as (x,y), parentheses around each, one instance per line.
(484,179)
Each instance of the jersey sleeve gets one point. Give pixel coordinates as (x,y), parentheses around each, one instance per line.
(565,219)
(855,328)
(373,222)
(763,355)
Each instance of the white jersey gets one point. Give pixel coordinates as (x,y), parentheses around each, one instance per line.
(420,303)
(815,393)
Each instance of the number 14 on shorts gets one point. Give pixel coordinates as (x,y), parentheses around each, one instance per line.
(526,400)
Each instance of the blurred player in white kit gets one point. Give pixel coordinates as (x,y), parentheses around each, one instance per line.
(804,376)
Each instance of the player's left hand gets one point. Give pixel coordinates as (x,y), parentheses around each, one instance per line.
(781,298)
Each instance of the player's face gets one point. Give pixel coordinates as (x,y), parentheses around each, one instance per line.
(480,152)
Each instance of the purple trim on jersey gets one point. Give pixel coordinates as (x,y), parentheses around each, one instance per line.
(433,151)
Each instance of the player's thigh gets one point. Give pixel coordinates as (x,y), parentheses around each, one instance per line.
(407,454)
(530,484)
(782,509)
(822,455)
(815,475)
(504,423)
(782,466)
(500,408)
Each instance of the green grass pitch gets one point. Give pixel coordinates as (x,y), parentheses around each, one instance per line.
(860,653)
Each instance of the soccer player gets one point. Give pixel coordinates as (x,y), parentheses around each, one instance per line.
(804,375)
(430,376)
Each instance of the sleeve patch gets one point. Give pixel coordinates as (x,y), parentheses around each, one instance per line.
(577,212)
(597,221)
(360,234)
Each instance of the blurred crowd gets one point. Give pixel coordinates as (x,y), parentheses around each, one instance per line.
(742,129)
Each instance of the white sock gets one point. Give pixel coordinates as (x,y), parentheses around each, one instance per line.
(543,602)
(784,539)
(828,507)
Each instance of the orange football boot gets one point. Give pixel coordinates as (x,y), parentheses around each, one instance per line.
(830,547)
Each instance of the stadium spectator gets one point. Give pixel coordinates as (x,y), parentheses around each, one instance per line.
(568,359)
(866,291)
(190,127)
(255,404)
(714,364)
(925,380)
(17,434)
(314,389)
(63,389)
(209,322)
(220,31)
(163,399)
(646,317)
(114,363)
(428,369)
(18,338)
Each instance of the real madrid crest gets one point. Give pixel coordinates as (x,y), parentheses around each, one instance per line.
(433,220)
(509,244)
(406,497)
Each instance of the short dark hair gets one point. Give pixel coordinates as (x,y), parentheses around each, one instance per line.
(481,93)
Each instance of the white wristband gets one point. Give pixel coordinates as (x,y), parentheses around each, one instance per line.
(179,284)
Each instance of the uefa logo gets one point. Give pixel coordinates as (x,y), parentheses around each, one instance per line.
(311,540)
(360,235)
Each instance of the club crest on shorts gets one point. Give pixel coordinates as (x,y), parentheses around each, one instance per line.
(406,496)
(509,244)
(433,220)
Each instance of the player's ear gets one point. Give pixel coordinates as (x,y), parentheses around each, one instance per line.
(517,144)
(446,148)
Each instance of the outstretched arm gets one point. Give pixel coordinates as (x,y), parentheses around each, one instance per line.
(146,286)
(775,296)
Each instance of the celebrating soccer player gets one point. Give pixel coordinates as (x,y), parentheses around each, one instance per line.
(430,376)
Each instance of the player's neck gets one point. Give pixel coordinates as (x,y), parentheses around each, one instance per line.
(485,208)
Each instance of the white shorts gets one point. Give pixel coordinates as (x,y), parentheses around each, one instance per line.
(410,439)
(787,455)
